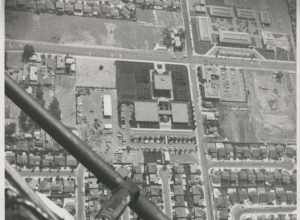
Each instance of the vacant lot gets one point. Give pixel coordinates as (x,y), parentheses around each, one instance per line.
(273,105)
(269,115)
(232,85)
(65,93)
(91,108)
(235,124)
(95,72)
(75,30)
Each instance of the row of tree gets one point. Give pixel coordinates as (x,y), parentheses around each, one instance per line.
(27,124)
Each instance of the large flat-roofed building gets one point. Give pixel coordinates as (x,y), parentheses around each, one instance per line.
(265,17)
(162,84)
(245,13)
(162,81)
(204,29)
(233,37)
(146,111)
(107,106)
(180,112)
(146,114)
(221,11)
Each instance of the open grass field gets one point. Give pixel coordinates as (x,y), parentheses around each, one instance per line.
(159,18)
(83,31)
(89,73)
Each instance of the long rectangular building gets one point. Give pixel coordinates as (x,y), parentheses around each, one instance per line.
(233,37)
(107,107)
(221,11)
(245,13)
(204,29)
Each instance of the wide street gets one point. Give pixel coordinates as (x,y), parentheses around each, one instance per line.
(196,97)
(143,55)
(80,193)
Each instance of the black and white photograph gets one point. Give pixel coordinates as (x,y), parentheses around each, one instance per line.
(149,110)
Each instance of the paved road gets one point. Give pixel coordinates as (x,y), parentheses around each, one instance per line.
(199,135)
(80,193)
(187,25)
(239,210)
(161,56)
(288,165)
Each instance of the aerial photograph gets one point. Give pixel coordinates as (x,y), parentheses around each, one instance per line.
(150,110)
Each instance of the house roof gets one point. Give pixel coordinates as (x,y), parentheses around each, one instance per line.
(146,111)
(179,200)
(178,190)
(180,112)
(162,81)
(181,212)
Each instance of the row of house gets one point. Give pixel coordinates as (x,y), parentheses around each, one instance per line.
(253,178)
(254,151)
(159,4)
(101,8)
(31,160)
(53,185)
(187,195)
(282,216)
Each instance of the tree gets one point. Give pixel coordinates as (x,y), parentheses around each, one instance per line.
(181,33)
(28,51)
(10,129)
(23,121)
(54,108)
(167,39)
(70,207)
(40,95)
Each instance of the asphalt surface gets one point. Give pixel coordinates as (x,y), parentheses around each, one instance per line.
(199,135)
(80,193)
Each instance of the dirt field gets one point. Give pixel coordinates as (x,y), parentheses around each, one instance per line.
(92,109)
(232,85)
(273,105)
(64,91)
(270,114)
(88,31)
